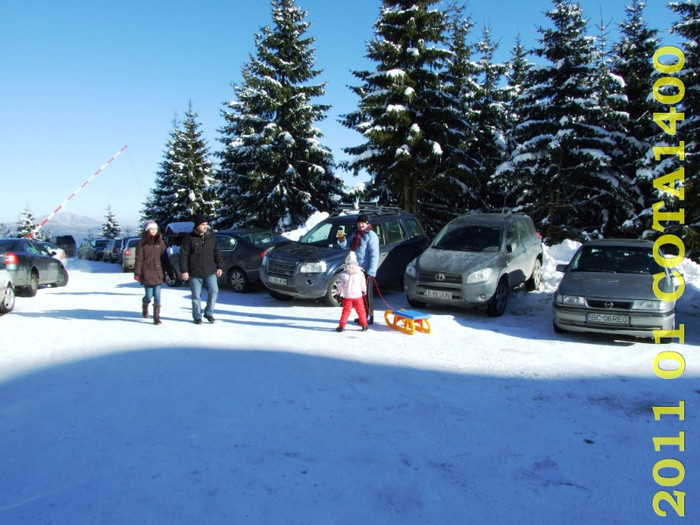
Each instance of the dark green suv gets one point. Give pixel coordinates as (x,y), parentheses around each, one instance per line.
(310,268)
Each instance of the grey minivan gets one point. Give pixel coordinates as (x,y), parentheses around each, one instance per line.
(475,260)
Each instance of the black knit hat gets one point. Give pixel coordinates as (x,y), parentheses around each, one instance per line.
(199,219)
(363,218)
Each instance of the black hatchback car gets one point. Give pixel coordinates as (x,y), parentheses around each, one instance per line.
(243,250)
(309,269)
(30,265)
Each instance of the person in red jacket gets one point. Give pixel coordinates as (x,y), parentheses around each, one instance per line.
(151,258)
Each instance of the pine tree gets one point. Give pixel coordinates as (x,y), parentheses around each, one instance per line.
(488,147)
(562,170)
(455,189)
(27,225)
(631,62)
(110,228)
(275,172)
(622,202)
(689,129)
(403,113)
(185,182)
(517,73)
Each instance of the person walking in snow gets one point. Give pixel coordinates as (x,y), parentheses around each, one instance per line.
(352,287)
(365,244)
(151,259)
(201,263)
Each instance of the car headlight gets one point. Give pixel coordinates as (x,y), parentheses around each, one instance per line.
(652,305)
(313,267)
(480,276)
(411,269)
(569,300)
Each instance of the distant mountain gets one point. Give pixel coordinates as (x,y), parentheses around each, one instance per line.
(79,226)
(66,219)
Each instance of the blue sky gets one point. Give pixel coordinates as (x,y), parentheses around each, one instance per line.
(80,79)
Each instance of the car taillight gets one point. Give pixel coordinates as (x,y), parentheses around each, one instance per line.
(11,261)
(127,251)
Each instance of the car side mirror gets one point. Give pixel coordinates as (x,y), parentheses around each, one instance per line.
(510,248)
(562,268)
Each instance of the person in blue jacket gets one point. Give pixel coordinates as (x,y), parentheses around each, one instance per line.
(365,243)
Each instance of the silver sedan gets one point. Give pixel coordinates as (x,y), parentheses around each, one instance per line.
(608,287)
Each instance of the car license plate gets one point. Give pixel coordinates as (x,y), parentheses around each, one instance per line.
(608,319)
(277,280)
(438,294)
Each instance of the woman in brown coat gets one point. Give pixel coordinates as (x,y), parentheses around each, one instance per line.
(151,258)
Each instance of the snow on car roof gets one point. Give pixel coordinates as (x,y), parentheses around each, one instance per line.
(180,227)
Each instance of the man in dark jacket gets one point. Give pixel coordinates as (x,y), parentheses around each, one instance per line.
(201,264)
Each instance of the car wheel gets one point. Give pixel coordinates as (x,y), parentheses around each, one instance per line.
(8,300)
(62,278)
(172,279)
(332,291)
(280,296)
(497,304)
(238,280)
(535,280)
(414,303)
(33,284)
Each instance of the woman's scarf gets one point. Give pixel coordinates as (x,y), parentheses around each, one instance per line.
(357,238)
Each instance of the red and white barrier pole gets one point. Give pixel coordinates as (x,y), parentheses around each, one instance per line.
(75,193)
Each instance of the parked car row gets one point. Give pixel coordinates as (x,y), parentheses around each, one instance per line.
(107,250)
(474,261)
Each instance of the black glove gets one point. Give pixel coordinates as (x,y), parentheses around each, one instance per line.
(337,298)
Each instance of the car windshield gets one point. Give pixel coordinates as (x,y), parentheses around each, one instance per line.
(325,233)
(469,238)
(615,259)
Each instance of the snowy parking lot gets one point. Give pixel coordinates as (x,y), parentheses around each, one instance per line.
(270,416)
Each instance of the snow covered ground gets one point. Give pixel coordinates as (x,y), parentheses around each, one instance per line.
(270,416)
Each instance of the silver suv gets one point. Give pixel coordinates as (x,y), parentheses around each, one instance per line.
(476,260)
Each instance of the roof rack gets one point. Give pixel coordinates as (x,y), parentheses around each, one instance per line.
(370,208)
(500,211)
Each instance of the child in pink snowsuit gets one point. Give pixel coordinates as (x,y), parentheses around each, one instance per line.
(352,286)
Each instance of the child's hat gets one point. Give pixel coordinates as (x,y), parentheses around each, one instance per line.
(351,258)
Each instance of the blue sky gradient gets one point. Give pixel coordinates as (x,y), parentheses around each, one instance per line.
(80,79)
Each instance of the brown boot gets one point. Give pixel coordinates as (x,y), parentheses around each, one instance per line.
(156,314)
(144,309)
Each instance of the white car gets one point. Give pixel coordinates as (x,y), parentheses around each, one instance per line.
(55,252)
(7,292)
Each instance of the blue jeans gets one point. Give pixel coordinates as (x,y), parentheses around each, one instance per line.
(152,293)
(211,285)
